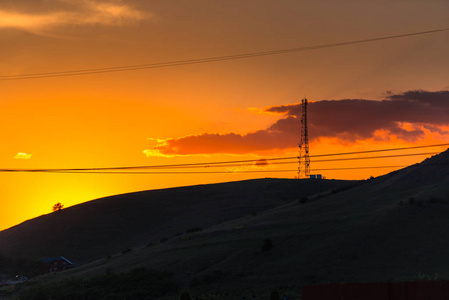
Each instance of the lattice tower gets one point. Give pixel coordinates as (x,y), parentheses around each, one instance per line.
(304,159)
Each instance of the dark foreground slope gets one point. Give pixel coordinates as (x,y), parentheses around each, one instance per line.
(109,225)
(390,228)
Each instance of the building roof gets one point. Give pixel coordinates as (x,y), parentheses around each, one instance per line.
(52,259)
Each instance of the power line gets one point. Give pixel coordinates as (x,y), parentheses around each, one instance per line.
(296,161)
(359,168)
(374,157)
(232,172)
(207,60)
(233,165)
(329,160)
(168,172)
(381,150)
(229,163)
(209,172)
(210,164)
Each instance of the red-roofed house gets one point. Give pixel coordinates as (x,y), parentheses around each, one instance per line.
(57,264)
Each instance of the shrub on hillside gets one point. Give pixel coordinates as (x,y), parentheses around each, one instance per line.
(267,245)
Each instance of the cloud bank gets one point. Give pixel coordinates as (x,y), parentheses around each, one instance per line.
(87,12)
(406,116)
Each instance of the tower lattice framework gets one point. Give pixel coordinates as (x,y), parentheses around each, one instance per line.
(304,159)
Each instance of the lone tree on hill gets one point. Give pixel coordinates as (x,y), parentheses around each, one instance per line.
(57,207)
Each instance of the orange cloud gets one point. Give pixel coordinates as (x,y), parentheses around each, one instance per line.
(228,143)
(84,13)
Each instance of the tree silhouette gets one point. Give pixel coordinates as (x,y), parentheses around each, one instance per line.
(57,207)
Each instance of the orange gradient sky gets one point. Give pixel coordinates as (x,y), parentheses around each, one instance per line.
(219,111)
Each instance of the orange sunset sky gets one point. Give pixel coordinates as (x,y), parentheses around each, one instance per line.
(376,95)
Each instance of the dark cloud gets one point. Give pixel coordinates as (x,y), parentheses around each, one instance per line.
(347,119)
(352,119)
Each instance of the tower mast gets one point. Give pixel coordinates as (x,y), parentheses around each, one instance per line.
(303,158)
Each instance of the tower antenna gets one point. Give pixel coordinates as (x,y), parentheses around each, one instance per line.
(303,158)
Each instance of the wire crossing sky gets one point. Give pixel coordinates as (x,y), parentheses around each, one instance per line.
(210,59)
(265,160)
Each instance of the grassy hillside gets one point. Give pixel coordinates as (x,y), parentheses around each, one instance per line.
(390,228)
(111,225)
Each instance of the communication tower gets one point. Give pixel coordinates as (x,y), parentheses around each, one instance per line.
(303,158)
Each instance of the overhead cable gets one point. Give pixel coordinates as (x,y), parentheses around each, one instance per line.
(209,59)
(209,172)
(239,162)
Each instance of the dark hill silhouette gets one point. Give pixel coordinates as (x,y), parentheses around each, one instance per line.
(111,225)
(394,227)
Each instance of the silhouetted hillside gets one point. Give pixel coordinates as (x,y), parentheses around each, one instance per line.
(111,225)
(391,228)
